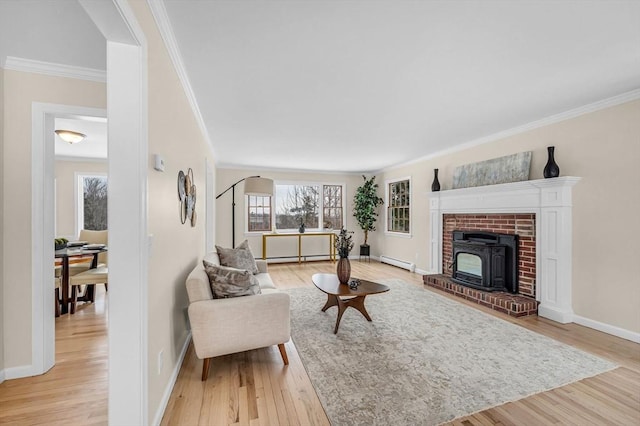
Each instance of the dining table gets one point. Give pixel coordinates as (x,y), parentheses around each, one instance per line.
(65,255)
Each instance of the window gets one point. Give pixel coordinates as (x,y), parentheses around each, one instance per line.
(297,204)
(92,202)
(259,213)
(316,205)
(332,206)
(399,206)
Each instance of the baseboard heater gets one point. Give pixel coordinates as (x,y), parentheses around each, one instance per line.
(399,263)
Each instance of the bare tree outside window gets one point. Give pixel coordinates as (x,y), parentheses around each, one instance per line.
(297,203)
(332,206)
(95,203)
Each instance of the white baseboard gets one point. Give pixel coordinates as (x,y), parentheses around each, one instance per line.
(18,372)
(172,381)
(1,376)
(421,271)
(555,314)
(607,328)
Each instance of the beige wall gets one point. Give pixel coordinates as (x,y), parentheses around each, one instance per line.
(277,246)
(3,320)
(603,148)
(65,172)
(20,91)
(174,134)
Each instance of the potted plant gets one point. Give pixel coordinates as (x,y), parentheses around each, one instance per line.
(366,202)
(60,243)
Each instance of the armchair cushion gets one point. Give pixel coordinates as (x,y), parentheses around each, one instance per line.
(230,282)
(240,257)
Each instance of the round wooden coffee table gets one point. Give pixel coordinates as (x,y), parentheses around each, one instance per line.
(342,296)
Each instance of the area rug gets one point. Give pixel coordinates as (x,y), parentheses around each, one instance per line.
(424,359)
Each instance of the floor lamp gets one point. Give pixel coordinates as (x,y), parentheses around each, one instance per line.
(253,185)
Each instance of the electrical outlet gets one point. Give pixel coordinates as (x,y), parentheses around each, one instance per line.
(160,361)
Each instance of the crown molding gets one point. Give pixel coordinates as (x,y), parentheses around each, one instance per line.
(159,13)
(576,112)
(232,166)
(57,70)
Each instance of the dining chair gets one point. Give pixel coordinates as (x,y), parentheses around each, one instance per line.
(57,280)
(99,275)
(91,237)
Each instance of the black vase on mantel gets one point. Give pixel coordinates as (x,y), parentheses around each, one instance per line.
(435,185)
(551,170)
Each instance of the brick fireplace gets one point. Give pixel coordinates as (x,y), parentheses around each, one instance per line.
(521,224)
(539,213)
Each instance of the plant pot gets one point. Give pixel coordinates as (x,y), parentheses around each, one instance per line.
(365,250)
(60,246)
(343,270)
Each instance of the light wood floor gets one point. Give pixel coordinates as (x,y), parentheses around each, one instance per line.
(75,390)
(255,388)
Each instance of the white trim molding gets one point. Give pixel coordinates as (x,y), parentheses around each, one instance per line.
(159,13)
(550,200)
(388,233)
(42,232)
(56,70)
(607,328)
(172,381)
(556,118)
(17,372)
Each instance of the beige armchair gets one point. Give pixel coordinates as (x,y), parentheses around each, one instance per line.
(238,324)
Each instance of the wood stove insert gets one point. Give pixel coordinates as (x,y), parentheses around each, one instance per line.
(485,260)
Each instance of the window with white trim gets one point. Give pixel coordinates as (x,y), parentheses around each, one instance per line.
(398,194)
(91,205)
(319,206)
(258,213)
(332,210)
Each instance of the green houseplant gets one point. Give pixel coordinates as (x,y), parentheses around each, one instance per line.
(366,202)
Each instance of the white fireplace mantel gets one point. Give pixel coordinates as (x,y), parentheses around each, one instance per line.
(550,200)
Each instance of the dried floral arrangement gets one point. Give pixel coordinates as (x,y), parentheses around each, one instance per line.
(344,243)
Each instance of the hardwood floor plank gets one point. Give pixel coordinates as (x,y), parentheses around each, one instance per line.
(75,390)
(255,388)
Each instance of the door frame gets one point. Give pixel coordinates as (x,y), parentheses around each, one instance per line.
(127,113)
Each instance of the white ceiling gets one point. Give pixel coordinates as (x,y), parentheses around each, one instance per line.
(57,31)
(362,85)
(359,86)
(93,147)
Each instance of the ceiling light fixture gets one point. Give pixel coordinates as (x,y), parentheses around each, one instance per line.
(70,136)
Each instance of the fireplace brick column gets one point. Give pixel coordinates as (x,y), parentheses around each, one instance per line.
(550,201)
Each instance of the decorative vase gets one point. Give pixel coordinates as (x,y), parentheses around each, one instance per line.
(343,270)
(551,170)
(435,186)
(301,228)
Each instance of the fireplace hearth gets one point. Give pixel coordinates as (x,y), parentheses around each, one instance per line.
(485,260)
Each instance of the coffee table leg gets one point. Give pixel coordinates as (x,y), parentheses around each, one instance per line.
(355,302)
(342,306)
(332,300)
(358,303)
